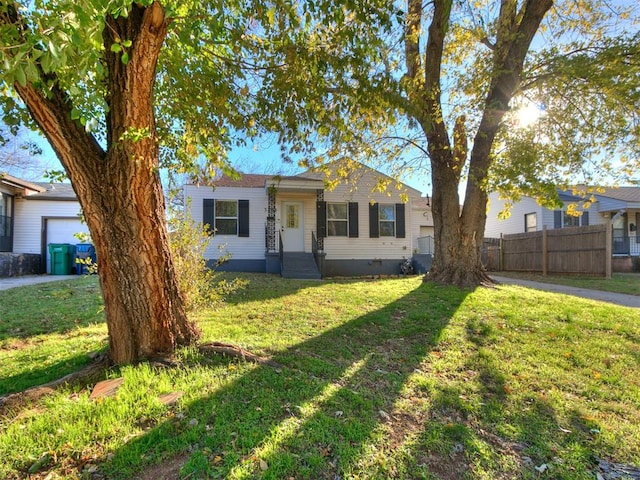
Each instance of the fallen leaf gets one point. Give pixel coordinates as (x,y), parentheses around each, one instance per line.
(263,465)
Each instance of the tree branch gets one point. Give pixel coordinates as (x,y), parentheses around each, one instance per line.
(52,112)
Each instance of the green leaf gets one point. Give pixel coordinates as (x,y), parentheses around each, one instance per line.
(21,77)
(75,114)
(116,47)
(125,58)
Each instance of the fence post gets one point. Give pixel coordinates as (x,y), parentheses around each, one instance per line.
(545,251)
(608,251)
(500,258)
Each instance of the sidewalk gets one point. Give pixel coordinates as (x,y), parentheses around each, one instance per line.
(12,282)
(615,298)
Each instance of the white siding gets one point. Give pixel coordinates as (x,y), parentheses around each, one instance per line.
(336,248)
(363,247)
(421,220)
(28,221)
(241,248)
(515,222)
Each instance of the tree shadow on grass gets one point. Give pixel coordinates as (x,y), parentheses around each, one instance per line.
(476,425)
(312,418)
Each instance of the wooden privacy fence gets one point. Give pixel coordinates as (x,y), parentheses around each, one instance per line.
(575,250)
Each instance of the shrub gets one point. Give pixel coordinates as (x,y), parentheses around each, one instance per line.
(188,241)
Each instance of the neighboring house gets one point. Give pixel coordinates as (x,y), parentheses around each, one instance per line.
(33,215)
(295,226)
(620,205)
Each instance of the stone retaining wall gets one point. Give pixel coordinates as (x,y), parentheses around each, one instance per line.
(17,264)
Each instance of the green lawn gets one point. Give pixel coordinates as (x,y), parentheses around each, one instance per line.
(380,379)
(628,283)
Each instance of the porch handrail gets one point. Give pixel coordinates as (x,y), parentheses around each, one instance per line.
(314,246)
(626,244)
(425,244)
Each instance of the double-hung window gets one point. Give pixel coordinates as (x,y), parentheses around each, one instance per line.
(561,219)
(337,220)
(387,220)
(226,218)
(530,222)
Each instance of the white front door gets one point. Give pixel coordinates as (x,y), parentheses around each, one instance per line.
(292,226)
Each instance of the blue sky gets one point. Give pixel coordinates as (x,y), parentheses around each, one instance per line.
(265,158)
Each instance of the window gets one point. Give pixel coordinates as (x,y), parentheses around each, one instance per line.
(570,220)
(563,220)
(387,220)
(226,219)
(337,220)
(291,218)
(530,222)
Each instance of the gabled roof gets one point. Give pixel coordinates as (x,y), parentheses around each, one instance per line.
(53,191)
(306,179)
(356,168)
(246,180)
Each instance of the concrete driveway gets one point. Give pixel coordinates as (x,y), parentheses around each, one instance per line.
(13,282)
(615,298)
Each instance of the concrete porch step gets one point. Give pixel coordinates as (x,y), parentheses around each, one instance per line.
(300,265)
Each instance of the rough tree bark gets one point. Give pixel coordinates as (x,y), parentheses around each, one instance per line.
(120,190)
(459,231)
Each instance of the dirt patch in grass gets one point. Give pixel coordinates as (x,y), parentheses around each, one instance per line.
(169,470)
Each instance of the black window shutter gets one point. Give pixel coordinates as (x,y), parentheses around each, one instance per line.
(557,219)
(400,223)
(525,222)
(353,220)
(374,226)
(321,219)
(209,214)
(585,219)
(243,218)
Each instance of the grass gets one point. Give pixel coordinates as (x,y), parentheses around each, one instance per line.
(628,283)
(380,379)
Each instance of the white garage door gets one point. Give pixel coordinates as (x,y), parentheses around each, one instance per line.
(61,230)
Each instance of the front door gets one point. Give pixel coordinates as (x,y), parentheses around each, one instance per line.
(292,227)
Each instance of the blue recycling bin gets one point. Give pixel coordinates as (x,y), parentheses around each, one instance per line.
(84,251)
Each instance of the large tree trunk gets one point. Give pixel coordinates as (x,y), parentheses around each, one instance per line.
(459,230)
(121,194)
